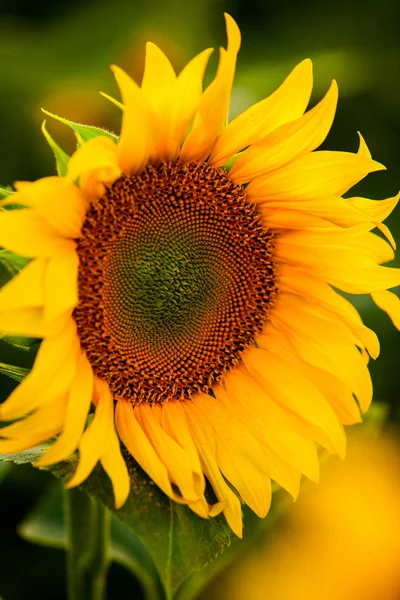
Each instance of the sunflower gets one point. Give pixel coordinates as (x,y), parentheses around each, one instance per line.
(183,280)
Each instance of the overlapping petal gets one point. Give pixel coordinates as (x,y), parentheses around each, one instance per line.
(214,103)
(95,165)
(137,142)
(56,200)
(286,104)
(315,175)
(287,143)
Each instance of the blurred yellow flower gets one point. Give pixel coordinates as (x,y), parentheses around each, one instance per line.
(188,288)
(342,539)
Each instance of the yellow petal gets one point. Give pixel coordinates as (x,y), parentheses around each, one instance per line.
(214,104)
(175,458)
(322,173)
(45,422)
(26,233)
(159,87)
(205,441)
(286,104)
(26,289)
(96,439)
(51,376)
(377,210)
(29,322)
(179,110)
(343,261)
(334,210)
(61,282)
(138,444)
(276,427)
(188,92)
(390,303)
(95,164)
(174,422)
(25,443)
(277,468)
(58,202)
(284,218)
(139,126)
(294,280)
(287,385)
(159,76)
(78,406)
(115,467)
(288,142)
(336,392)
(324,343)
(241,463)
(363,148)
(374,247)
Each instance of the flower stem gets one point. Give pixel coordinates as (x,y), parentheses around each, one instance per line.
(88,530)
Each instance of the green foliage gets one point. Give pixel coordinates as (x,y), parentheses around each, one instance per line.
(4,470)
(179,542)
(20,342)
(5,192)
(12,262)
(46,525)
(61,157)
(228,165)
(16,373)
(113,101)
(84,133)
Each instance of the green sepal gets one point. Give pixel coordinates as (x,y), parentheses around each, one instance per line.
(16,373)
(113,100)
(84,133)
(5,192)
(13,262)
(228,165)
(179,542)
(61,157)
(19,341)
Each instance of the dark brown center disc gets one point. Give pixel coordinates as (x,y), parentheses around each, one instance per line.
(175,280)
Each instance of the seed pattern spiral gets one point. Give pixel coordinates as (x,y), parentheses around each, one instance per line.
(176,278)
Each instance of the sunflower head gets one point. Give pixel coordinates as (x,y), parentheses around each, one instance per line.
(183,279)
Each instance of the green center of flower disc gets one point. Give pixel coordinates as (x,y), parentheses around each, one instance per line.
(163,287)
(175,280)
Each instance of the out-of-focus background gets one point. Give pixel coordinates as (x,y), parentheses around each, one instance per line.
(56,55)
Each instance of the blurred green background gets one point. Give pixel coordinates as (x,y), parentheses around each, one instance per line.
(56,55)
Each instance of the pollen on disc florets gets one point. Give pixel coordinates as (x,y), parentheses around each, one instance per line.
(175,280)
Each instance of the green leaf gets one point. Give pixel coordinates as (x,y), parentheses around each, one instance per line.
(13,262)
(228,165)
(4,470)
(180,542)
(20,342)
(113,101)
(5,192)
(16,373)
(61,157)
(83,132)
(45,525)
